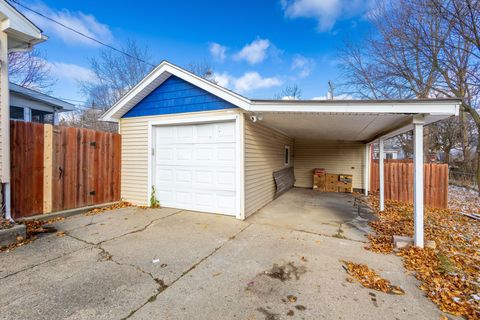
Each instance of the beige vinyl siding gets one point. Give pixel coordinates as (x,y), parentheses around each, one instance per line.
(134,133)
(335,157)
(264,154)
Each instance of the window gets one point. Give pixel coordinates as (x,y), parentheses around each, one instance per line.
(389,156)
(286,156)
(16,113)
(42,116)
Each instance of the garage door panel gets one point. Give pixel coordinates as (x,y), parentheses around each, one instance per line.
(183,176)
(195,167)
(225,132)
(164,174)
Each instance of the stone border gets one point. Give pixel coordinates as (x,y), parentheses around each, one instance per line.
(9,236)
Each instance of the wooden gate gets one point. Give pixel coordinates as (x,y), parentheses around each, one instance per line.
(399,182)
(57,168)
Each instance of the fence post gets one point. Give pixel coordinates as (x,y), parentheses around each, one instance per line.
(418,185)
(381,176)
(47,167)
(366,170)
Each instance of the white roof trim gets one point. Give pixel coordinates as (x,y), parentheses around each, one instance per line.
(18,26)
(438,107)
(156,77)
(432,106)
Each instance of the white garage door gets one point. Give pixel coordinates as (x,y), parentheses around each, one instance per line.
(194,167)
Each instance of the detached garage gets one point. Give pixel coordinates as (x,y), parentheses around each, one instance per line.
(197,146)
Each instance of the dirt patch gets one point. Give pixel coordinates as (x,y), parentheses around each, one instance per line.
(161,285)
(268,315)
(286,271)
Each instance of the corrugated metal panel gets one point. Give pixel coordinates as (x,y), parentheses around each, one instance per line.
(336,157)
(264,154)
(175,95)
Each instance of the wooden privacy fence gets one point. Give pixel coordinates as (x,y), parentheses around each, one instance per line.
(399,182)
(55,168)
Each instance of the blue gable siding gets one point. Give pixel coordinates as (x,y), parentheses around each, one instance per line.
(175,95)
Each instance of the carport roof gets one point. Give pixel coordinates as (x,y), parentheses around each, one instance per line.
(352,120)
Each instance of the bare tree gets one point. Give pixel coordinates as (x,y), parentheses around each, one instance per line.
(203,69)
(422,49)
(290,92)
(114,75)
(30,69)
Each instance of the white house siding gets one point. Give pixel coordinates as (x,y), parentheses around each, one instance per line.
(135,153)
(264,154)
(4,111)
(335,157)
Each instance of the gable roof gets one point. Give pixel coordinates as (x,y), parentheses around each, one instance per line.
(34,95)
(437,108)
(156,77)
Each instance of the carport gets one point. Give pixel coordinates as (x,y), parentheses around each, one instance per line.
(192,144)
(355,122)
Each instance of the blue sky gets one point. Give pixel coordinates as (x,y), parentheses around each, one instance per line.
(255,47)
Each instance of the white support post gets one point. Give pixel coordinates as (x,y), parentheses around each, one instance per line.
(366,171)
(27,114)
(56,119)
(418,183)
(381,175)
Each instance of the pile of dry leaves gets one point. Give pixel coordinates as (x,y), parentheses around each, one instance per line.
(370,279)
(450,274)
(33,228)
(119,205)
(5,224)
(463,200)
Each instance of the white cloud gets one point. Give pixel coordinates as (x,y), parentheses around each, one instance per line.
(249,81)
(84,23)
(303,65)
(218,51)
(254,52)
(223,79)
(71,72)
(326,12)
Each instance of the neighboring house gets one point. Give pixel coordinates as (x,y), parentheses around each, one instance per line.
(205,148)
(17,33)
(391,151)
(33,106)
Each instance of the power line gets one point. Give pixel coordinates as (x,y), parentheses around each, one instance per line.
(81,33)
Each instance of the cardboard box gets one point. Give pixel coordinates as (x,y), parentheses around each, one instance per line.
(345,177)
(330,177)
(344,187)
(331,188)
(319,182)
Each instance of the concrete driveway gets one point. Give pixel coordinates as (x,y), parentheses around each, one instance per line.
(281,263)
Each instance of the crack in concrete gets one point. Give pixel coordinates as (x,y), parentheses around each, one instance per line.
(96,245)
(308,232)
(41,263)
(154,296)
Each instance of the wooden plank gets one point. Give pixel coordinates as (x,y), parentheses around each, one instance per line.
(47,168)
(70,158)
(92,175)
